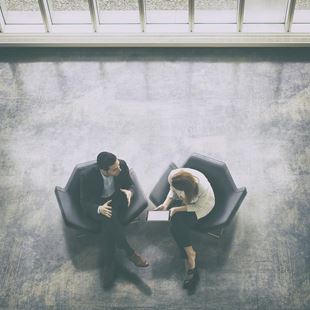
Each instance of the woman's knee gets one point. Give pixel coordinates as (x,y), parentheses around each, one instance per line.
(177,219)
(176,223)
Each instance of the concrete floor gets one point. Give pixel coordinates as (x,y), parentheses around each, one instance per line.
(247,107)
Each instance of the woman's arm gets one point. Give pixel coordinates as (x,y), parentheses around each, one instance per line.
(178,209)
(167,202)
(165,205)
(170,197)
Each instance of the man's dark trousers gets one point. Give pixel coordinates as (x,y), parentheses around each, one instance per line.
(113,231)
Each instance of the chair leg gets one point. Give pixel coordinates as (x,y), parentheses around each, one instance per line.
(215,235)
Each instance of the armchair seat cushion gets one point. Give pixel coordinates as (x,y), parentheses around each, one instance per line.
(72,215)
(221,216)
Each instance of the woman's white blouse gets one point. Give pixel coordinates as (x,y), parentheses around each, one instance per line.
(204,202)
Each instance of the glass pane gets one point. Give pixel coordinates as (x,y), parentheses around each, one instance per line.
(21,12)
(69,12)
(302,12)
(118,12)
(265,11)
(302,5)
(169,12)
(210,11)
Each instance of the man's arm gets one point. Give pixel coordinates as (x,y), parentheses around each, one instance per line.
(127,180)
(86,199)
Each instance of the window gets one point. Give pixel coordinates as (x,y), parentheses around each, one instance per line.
(118,12)
(117,15)
(301,21)
(69,12)
(194,21)
(215,15)
(168,15)
(22,16)
(264,15)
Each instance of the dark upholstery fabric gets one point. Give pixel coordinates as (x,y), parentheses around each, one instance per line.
(161,188)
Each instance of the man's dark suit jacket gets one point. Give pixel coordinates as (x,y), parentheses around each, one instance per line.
(91,187)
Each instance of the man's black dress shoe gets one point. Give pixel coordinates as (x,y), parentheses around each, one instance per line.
(138,260)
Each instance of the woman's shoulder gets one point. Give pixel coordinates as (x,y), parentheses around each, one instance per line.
(177,170)
(190,170)
(172,173)
(196,173)
(203,184)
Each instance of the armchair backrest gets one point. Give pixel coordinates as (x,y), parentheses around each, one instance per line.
(216,172)
(73,184)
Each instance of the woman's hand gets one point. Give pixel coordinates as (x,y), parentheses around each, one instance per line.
(173,211)
(161,207)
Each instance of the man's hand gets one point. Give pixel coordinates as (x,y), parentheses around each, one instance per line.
(161,208)
(128,195)
(106,209)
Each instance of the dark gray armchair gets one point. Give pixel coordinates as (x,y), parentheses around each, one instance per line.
(228,197)
(69,201)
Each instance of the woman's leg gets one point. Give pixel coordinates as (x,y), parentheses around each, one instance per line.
(191,257)
(180,226)
(181,223)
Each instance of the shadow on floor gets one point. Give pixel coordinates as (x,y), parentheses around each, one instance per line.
(154,241)
(83,248)
(123,273)
(213,253)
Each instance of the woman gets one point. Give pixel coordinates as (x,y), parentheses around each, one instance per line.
(190,198)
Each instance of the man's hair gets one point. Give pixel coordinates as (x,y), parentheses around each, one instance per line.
(184,181)
(105,160)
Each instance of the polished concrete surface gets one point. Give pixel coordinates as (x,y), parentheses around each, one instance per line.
(247,107)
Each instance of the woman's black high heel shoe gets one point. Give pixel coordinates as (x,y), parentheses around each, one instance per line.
(191,276)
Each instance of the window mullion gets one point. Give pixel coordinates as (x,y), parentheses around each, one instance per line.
(142,14)
(191,14)
(93,8)
(46,16)
(289,15)
(240,15)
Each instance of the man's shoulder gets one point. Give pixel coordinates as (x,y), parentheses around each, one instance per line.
(90,170)
(122,163)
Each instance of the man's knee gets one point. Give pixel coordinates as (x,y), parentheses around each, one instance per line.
(119,199)
(107,223)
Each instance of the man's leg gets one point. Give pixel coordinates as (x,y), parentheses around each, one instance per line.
(120,205)
(113,233)
(108,244)
(114,229)
(108,251)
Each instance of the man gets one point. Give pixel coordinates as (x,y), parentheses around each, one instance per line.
(106,190)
